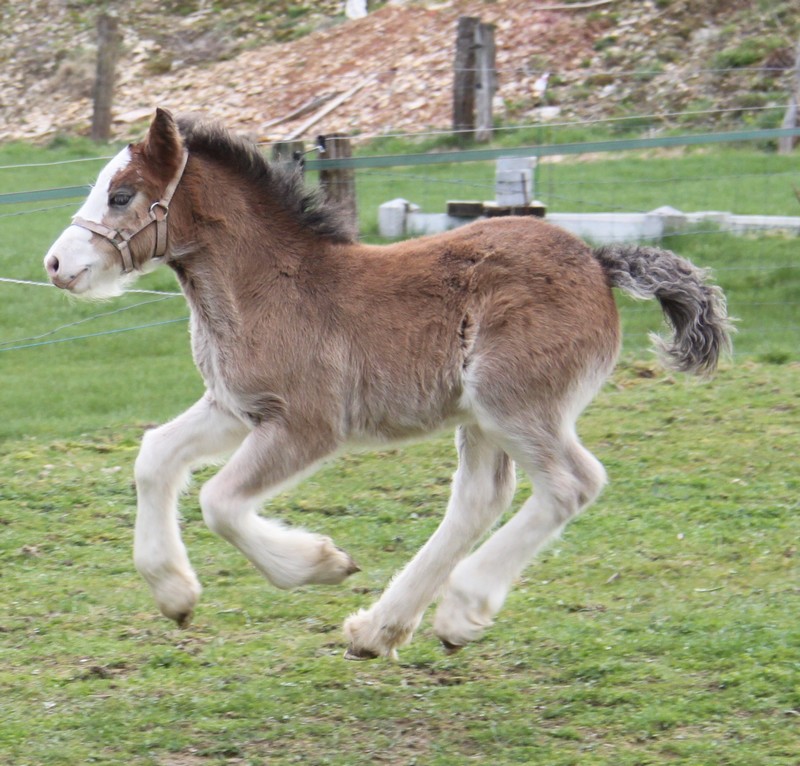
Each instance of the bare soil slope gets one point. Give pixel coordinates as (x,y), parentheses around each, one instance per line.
(255,64)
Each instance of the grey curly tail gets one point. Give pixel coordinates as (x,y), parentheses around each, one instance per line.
(694,307)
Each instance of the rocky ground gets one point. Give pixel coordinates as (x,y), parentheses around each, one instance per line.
(269,68)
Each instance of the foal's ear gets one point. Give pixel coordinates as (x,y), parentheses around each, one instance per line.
(163,144)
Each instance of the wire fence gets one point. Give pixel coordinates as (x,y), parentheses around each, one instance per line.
(572,176)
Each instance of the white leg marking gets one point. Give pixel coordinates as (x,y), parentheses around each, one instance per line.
(566,478)
(269,460)
(202,433)
(483,486)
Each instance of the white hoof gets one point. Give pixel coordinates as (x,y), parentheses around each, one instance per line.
(369,637)
(176,594)
(333,564)
(461,619)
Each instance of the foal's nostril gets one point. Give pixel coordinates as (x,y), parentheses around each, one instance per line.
(51,264)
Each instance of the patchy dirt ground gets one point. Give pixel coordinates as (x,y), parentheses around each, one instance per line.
(268,68)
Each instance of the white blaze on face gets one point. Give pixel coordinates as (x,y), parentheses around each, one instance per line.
(77,260)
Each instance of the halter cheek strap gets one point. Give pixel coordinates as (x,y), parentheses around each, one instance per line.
(158,213)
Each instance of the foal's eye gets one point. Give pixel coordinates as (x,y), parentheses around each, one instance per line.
(120,198)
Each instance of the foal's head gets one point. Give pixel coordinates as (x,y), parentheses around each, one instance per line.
(121,229)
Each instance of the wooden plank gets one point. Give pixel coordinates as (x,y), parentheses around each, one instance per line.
(493,210)
(464,208)
(309,106)
(326,110)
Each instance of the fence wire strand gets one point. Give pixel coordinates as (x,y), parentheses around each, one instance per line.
(46,338)
(84,320)
(99,334)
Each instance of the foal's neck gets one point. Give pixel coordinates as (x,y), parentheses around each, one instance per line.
(233,274)
(241,255)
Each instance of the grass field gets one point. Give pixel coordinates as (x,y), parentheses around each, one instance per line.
(662,628)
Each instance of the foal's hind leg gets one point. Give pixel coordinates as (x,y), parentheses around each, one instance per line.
(483,487)
(201,434)
(566,478)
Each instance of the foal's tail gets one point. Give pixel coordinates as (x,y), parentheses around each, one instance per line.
(694,308)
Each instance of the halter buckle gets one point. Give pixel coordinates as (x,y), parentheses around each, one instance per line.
(159,205)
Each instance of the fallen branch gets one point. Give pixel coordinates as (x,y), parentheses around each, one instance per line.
(314,119)
(305,108)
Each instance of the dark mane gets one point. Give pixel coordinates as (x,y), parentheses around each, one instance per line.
(282,182)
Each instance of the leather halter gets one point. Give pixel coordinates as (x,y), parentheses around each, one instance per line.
(158,213)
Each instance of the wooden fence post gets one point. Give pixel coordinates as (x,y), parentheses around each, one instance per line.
(486,81)
(786,144)
(108,45)
(339,184)
(464,79)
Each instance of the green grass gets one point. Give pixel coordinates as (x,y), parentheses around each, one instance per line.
(744,181)
(65,162)
(661,628)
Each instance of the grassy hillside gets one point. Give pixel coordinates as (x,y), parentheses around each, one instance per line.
(662,63)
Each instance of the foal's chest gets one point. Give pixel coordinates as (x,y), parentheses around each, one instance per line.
(219,373)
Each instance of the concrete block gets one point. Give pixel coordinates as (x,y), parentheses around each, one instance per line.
(605,228)
(513,180)
(392,217)
(672,220)
(419,224)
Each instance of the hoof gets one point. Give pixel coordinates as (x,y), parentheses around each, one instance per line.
(333,565)
(450,649)
(176,592)
(352,567)
(369,636)
(184,620)
(359,655)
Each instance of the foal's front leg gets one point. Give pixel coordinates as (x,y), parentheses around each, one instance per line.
(274,455)
(201,434)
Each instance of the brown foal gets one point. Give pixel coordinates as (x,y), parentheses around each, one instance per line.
(309,341)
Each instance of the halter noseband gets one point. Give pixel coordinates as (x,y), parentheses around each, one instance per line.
(157,214)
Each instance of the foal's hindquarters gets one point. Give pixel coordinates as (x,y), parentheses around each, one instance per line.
(533,368)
